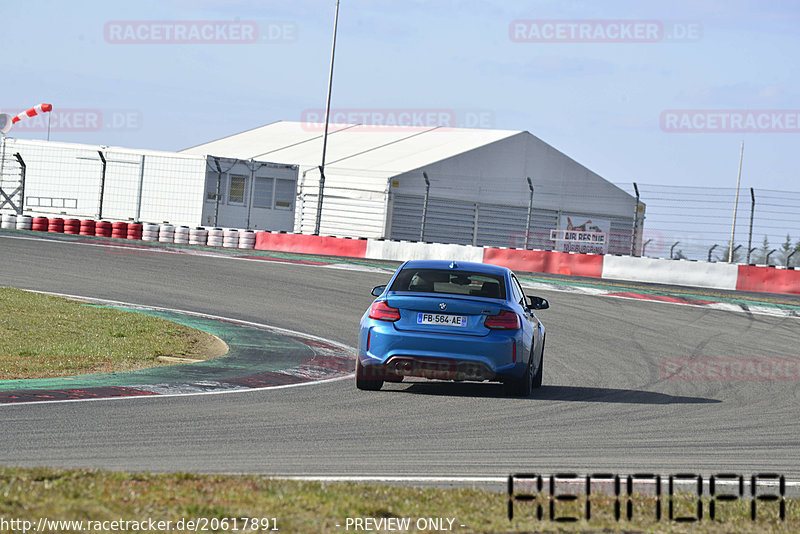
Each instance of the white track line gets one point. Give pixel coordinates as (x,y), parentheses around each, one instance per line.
(490,479)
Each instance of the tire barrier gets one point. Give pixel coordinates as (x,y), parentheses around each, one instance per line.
(150,232)
(102,229)
(119,230)
(72,226)
(55,226)
(182,235)
(87,227)
(763,279)
(216,237)
(24,222)
(198,236)
(40,224)
(247,239)
(230,238)
(134,231)
(9,221)
(166,233)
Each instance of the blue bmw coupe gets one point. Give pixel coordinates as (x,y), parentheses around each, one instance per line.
(452,321)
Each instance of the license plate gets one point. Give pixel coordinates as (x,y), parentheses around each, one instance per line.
(441,319)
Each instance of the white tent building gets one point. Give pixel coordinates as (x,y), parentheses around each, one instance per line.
(469,186)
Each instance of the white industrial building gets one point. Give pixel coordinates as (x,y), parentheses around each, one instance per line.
(377,179)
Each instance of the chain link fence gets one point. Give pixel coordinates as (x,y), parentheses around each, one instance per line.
(696,223)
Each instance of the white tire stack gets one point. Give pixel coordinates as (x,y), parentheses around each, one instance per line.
(182,235)
(198,236)
(230,238)
(166,233)
(149,232)
(9,221)
(247,239)
(24,222)
(216,237)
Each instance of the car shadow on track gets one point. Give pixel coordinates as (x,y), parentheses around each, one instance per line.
(555,393)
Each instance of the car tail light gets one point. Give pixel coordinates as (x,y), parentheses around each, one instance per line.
(383,312)
(505,320)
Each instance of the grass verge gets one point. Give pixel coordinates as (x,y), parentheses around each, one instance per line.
(43,336)
(222,502)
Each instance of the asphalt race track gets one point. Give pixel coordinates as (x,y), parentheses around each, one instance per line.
(605,406)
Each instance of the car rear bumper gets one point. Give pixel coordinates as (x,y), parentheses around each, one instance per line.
(383,349)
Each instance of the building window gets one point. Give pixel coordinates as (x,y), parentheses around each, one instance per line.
(211,186)
(263,192)
(236,189)
(284,194)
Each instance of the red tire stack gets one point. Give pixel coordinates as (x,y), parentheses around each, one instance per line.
(87,227)
(102,229)
(72,226)
(56,226)
(135,231)
(119,230)
(40,224)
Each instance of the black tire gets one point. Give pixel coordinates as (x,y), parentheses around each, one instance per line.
(366,384)
(537,378)
(522,387)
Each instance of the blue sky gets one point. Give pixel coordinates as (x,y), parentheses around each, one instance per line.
(600,103)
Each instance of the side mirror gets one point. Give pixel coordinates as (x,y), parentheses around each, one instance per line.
(378,290)
(538,303)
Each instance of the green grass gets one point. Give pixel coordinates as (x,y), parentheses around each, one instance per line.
(310,507)
(42,336)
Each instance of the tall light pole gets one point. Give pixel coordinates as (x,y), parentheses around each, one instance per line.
(327,117)
(736,204)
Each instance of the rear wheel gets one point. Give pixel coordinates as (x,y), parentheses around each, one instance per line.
(521,387)
(364,383)
(537,378)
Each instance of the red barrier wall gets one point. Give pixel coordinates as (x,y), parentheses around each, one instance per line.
(768,280)
(543,261)
(311,244)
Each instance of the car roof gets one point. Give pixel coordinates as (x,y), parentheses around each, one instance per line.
(456,265)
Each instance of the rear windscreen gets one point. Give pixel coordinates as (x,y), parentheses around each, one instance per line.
(450,282)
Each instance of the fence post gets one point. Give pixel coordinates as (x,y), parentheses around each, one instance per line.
(216,196)
(139,190)
(635,220)
(102,186)
(252,166)
(750,235)
(424,206)
(23,169)
(530,208)
(2,154)
(475,228)
(321,193)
